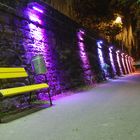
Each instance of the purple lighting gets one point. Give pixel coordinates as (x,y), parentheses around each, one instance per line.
(101,59)
(99,44)
(117,51)
(37,9)
(37,44)
(131,62)
(83,55)
(123,62)
(37,34)
(127,63)
(118,61)
(80,35)
(112,61)
(34,17)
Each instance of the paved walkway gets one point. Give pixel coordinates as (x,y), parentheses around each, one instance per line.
(110,111)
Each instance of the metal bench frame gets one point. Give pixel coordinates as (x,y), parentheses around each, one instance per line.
(11,73)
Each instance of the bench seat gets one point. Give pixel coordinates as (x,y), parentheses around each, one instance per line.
(20,90)
(6,76)
(19,72)
(8,73)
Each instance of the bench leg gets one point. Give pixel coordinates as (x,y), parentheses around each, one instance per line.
(30,98)
(0,120)
(49,97)
(1,109)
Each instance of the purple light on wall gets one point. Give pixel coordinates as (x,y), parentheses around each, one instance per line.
(34,17)
(131,68)
(126,59)
(80,35)
(100,54)
(83,55)
(99,44)
(38,9)
(37,43)
(101,58)
(110,48)
(112,60)
(129,61)
(118,61)
(123,61)
(36,32)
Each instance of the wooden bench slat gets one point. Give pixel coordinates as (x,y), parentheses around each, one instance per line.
(12,72)
(19,90)
(13,75)
(8,70)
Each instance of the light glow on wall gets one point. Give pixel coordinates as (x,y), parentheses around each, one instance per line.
(83,55)
(99,44)
(112,60)
(36,32)
(118,61)
(101,58)
(33,17)
(126,59)
(129,61)
(37,9)
(37,43)
(132,62)
(123,61)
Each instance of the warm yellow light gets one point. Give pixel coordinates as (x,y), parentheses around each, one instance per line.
(118,20)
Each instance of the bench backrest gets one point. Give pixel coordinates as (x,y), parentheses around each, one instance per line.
(6,73)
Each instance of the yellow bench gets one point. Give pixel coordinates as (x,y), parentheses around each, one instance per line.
(9,73)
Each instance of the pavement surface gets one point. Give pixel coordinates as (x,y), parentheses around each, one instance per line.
(109,111)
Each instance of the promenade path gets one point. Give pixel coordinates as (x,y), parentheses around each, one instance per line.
(109,111)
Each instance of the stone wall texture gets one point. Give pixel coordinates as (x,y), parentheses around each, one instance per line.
(69,50)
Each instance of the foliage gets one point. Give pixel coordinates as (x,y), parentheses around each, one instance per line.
(98,15)
(101,19)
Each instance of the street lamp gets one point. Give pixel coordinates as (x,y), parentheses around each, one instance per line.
(118,20)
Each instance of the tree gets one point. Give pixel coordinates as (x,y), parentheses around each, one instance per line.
(130,11)
(98,15)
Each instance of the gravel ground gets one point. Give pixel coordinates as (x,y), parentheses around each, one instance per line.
(109,111)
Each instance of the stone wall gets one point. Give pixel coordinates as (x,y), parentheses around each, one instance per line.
(69,50)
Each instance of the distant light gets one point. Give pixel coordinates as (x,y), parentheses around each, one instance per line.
(117,51)
(112,60)
(118,20)
(99,44)
(122,54)
(119,63)
(34,18)
(110,49)
(37,9)
(81,31)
